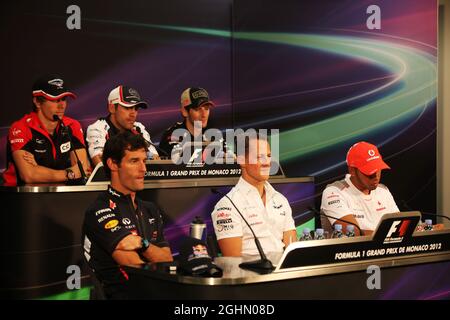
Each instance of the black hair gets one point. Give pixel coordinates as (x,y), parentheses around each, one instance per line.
(116,146)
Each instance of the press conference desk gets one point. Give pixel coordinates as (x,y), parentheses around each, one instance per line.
(41,226)
(424,277)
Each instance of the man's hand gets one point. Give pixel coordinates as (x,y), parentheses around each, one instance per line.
(130,243)
(29,158)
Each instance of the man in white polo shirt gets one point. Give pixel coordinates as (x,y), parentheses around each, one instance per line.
(265,209)
(360,198)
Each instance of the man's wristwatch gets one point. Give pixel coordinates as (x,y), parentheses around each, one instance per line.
(70,175)
(145,245)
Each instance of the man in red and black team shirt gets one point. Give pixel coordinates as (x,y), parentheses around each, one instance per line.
(41,145)
(119,228)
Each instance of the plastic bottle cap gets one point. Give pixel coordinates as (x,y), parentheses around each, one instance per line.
(350,228)
(428,221)
(306,231)
(198,220)
(338,227)
(319,231)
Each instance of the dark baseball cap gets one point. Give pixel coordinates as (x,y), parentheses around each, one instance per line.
(126,97)
(194,259)
(51,87)
(194,98)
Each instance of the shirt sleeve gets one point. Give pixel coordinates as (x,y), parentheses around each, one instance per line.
(334,204)
(158,214)
(96,139)
(77,135)
(289,220)
(226,220)
(104,227)
(18,136)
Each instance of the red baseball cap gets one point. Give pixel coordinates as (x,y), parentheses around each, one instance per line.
(366,158)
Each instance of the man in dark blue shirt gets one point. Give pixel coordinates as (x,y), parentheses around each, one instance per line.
(119,228)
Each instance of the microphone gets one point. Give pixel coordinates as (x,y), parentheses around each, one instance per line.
(407,207)
(262,265)
(319,213)
(138,130)
(65,130)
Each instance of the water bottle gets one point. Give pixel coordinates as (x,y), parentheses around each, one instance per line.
(350,231)
(337,233)
(198,229)
(306,235)
(319,234)
(428,225)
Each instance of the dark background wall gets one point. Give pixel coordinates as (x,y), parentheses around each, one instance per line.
(309,68)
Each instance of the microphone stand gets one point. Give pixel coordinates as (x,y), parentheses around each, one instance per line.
(138,130)
(262,265)
(405,204)
(337,219)
(65,130)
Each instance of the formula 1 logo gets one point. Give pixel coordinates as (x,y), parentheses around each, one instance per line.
(397,231)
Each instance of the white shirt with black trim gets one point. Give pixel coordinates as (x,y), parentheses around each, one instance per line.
(97,134)
(342,198)
(269,222)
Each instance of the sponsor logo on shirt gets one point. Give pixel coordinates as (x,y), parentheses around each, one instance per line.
(112,204)
(224,221)
(358,216)
(126,221)
(103,218)
(332,195)
(256,223)
(101,211)
(278,207)
(223,215)
(111,224)
(15,131)
(111,191)
(151,220)
(116,228)
(224,227)
(381,209)
(224,208)
(17,141)
(40,151)
(65,147)
(252,215)
(39,141)
(333,202)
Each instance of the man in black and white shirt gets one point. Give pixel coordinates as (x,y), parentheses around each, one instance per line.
(123,105)
(265,209)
